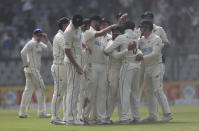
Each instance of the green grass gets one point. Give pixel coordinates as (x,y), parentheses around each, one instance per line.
(186,118)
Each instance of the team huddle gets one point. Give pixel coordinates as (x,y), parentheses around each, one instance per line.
(93,64)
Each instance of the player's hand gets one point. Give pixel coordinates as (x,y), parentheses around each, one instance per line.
(139,57)
(122,19)
(80,71)
(132,46)
(45,36)
(89,50)
(166,45)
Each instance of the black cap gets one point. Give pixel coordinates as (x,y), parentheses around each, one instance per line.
(147,15)
(86,22)
(146,24)
(105,20)
(37,31)
(77,20)
(96,18)
(62,21)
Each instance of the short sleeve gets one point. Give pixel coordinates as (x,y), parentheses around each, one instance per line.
(163,35)
(68,37)
(88,35)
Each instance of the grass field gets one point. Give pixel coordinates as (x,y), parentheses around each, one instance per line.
(186,118)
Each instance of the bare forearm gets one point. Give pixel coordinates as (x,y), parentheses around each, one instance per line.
(104,31)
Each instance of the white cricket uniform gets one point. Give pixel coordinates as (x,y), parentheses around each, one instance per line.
(59,74)
(97,84)
(31,56)
(114,65)
(154,104)
(129,74)
(158,30)
(151,48)
(73,41)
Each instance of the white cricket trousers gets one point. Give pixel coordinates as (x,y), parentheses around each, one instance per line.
(59,74)
(155,94)
(97,93)
(113,90)
(129,91)
(73,85)
(34,82)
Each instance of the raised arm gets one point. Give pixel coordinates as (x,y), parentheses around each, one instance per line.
(47,45)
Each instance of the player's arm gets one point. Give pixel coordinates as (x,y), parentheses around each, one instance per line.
(47,45)
(119,54)
(68,45)
(164,38)
(157,47)
(27,48)
(104,31)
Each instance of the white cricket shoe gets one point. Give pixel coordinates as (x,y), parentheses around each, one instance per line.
(167,117)
(78,122)
(44,115)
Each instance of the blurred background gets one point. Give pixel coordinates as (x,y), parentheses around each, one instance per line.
(179,18)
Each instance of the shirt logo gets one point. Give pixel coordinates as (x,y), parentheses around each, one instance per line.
(147,50)
(98,43)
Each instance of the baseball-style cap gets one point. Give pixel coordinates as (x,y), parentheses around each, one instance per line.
(96,18)
(77,20)
(146,24)
(105,20)
(37,31)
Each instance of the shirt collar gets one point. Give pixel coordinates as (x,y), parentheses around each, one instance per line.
(60,31)
(92,29)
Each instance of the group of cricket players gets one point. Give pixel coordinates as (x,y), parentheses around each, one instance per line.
(96,65)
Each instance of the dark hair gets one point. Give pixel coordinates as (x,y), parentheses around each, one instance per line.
(129,25)
(147,15)
(77,20)
(96,18)
(62,21)
(116,29)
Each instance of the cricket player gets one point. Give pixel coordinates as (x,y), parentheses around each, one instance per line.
(59,72)
(114,64)
(73,50)
(129,72)
(97,68)
(151,46)
(31,59)
(162,34)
